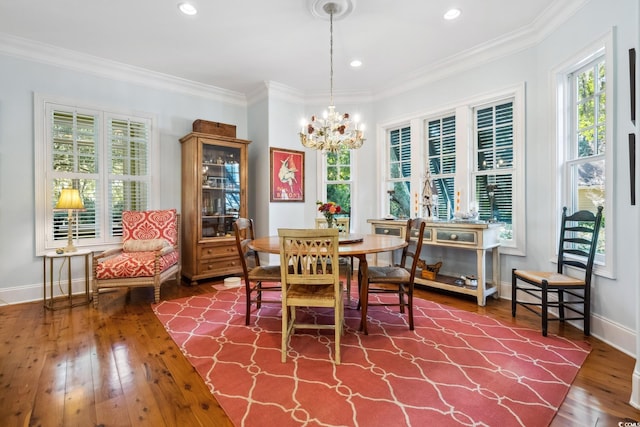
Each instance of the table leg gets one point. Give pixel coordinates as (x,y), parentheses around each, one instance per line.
(51,282)
(69,290)
(86,279)
(364,292)
(495,256)
(482,286)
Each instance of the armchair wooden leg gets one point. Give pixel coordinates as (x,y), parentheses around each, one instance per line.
(545,308)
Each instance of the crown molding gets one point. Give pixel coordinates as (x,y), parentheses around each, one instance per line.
(275,90)
(71,60)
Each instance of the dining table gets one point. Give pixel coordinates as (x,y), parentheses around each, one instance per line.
(350,245)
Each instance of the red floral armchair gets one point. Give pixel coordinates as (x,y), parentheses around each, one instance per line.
(149,256)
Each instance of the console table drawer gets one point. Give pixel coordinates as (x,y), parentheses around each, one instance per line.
(389,231)
(425,238)
(457,236)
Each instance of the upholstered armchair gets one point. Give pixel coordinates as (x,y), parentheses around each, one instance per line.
(149,255)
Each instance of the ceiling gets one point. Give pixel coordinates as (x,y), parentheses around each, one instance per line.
(237,45)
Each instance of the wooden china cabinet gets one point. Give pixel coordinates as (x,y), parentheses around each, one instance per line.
(214,195)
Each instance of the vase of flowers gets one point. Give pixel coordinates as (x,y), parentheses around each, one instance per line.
(329,210)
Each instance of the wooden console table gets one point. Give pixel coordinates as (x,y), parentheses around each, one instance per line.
(473,236)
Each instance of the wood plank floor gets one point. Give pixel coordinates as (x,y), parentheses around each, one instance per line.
(116,366)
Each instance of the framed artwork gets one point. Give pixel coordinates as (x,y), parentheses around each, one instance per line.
(287,175)
(632,167)
(632,84)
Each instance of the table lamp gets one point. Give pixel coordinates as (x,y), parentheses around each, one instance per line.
(70,200)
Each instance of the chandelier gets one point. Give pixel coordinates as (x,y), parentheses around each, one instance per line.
(332,131)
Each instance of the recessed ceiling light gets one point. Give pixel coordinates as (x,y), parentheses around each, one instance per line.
(452,14)
(187,9)
(356,63)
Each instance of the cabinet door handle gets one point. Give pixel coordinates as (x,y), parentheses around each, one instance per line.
(453,237)
(386,231)
(209,251)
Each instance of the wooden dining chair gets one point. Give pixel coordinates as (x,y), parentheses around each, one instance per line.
(310,281)
(577,249)
(396,279)
(346,263)
(257,278)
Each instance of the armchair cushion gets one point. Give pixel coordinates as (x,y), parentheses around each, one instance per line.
(144,245)
(149,254)
(147,225)
(134,264)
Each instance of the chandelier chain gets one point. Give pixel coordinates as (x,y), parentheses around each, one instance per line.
(331,55)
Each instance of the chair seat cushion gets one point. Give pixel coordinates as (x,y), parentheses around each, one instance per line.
(389,274)
(552,278)
(267,273)
(310,294)
(133,264)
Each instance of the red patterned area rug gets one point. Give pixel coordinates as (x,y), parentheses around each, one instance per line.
(456,368)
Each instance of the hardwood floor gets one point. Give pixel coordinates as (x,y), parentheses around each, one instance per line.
(116,366)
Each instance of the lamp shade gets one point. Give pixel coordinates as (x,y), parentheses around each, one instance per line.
(69,199)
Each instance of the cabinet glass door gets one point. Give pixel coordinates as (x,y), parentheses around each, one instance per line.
(220,190)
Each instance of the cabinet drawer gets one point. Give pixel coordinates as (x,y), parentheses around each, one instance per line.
(426,236)
(457,236)
(216,251)
(219,266)
(389,231)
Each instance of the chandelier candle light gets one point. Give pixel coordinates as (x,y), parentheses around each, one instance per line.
(333,131)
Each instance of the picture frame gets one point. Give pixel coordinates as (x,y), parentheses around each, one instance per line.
(632,84)
(286,175)
(632,167)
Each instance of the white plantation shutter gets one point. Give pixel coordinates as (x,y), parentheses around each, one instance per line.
(494,160)
(74,164)
(399,171)
(441,152)
(128,158)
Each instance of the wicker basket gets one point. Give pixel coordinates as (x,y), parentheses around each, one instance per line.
(431,271)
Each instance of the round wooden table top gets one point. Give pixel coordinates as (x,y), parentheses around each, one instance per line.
(350,244)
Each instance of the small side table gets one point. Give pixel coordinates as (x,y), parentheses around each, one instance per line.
(69,300)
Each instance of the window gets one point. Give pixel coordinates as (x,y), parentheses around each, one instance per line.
(105,155)
(399,172)
(338,179)
(494,166)
(441,155)
(583,140)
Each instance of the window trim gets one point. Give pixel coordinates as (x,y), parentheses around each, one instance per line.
(42,152)
(560,115)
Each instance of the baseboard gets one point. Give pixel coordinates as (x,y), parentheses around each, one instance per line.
(31,293)
(614,334)
(635,389)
